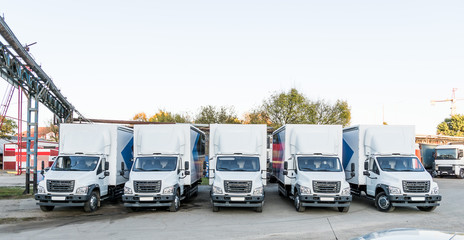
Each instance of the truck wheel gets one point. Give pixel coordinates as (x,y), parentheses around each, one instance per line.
(427,209)
(215,209)
(382,203)
(47,208)
(176,203)
(298,204)
(259,209)
(343,209)
(93,202)
(461,174)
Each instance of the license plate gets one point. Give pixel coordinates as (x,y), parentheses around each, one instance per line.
(146,198)
(327,199)
(418,199)
(237,199)
(54,198)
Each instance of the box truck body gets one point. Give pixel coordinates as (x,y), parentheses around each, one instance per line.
(307,165)
(237,165)
(87,169)
(449,160)
(380,161)
(168,165)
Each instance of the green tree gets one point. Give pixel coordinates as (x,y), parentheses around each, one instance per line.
(210,114)
(55,130)
(453,126)
(293,107)
(8,128)
(162,116)
(257,116)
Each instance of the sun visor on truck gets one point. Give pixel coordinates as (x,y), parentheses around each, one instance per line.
(165,139)
(238,140)
(316,139)
(390,139)
(93,139)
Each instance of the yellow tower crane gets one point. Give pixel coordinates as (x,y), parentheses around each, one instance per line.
(453,101)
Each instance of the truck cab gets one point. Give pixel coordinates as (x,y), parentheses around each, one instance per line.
(400,180)
(74,180)
(156,181)
(449,160)
(318,180)
(238,182)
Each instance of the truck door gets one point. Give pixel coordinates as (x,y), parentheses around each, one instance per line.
(101,178)
(181,175)
(373,178)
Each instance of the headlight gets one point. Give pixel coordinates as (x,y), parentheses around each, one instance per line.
(394,190)
(346,191)
(127,190)
(168,190)
(305,190)
(82,190)
(217,190)
(40,189)
(435,191)
(258,191)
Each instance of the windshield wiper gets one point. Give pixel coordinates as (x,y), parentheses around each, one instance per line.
(307,169)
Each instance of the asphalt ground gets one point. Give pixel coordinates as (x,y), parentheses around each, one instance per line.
(23,219)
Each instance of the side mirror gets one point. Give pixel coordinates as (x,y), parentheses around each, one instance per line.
(187,173)
(204,164)
(122,169)
(107,174)
(366,165)
(285,172)
(366,173)
(285,166)
(107,166)
(186,166)
(460,154)
(43,169)
(353,170)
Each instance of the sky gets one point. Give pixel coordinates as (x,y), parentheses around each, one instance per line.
(113,59)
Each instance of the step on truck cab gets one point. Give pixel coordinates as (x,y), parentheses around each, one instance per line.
(380,165)
(449,160)
(167,168)
(308,167)
(237,165)
(86,171)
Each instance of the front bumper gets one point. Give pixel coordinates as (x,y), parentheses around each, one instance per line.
(325,201)
(148,201)
(69,201)
(446,170)
(237,201)
(415,201)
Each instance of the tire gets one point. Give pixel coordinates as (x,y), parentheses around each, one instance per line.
(382,203)
(298,204)
(259,209)
(93,202)
(175,203)
(215,209)
(47,208)
(461,174)
(427,209)
(343,209)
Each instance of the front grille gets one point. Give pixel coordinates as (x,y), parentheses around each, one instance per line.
(60,186)
(326,187)
(416,187)
(445,169)
(237,186)
(147,186)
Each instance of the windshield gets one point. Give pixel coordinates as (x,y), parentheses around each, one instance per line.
(446,154)
(238,163)
(402,164)
(75,163)
(322,164)
(158,163)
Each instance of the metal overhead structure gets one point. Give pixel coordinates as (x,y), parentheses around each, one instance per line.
(453,101)
(23,72)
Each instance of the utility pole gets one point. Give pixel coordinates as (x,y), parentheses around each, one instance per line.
(453,101)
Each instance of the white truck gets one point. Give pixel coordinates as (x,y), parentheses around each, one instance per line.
(237,165)
(449,160)
(308,167)
(168,166)
(380,165)
(86,171)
